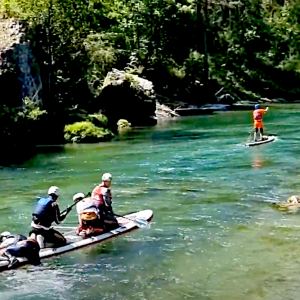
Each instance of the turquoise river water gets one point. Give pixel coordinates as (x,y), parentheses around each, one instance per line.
(215,234)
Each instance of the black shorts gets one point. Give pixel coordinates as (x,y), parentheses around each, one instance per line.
(50,236)
(110,224)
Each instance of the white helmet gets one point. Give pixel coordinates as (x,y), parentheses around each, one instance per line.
(106,177)
(5,234)
(78,196)
(53,190)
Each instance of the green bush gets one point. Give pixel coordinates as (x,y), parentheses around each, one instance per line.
(87,132)
(31,110)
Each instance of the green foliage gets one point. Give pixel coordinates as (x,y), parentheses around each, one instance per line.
(87,132)
(102,54)
(31,110)
(248,47)
(19,129)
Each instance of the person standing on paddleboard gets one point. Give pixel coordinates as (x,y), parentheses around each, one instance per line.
(258,124)
(47,212)
(102,199)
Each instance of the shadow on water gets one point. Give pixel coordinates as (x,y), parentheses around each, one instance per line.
(16,157)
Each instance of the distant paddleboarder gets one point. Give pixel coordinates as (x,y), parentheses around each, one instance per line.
(258,124)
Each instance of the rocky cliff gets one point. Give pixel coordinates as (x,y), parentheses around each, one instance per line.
(19,72)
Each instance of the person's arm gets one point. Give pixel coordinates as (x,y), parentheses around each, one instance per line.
(8,242)
(106,196)
(58,218)
(79,229)
(56,213)
(94,230)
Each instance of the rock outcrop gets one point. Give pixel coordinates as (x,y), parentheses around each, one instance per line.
(127,96)
(19,72)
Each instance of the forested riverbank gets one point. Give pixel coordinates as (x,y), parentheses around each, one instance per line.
(64,56)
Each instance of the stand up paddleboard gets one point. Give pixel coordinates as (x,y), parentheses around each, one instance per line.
(268,139)
(75,242)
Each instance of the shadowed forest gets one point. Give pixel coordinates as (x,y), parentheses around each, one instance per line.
(188,50)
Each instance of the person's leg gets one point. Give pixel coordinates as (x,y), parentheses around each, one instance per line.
(37,235)
(55,237)
(11,253)
(255,134)
(2,255)
(110,223)
(262,133)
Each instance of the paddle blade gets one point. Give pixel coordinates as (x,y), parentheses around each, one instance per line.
(141,223)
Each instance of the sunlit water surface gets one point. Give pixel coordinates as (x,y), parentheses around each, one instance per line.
(215,234)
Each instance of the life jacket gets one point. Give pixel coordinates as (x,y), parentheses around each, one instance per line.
(44,212)
(104,204)
(257,115)
(97,195)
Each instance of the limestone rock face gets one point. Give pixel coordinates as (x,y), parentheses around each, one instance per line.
(19,72)
(127,96)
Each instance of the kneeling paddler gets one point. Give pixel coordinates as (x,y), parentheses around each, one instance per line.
(46,212)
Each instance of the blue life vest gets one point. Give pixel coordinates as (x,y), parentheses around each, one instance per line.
(44,213)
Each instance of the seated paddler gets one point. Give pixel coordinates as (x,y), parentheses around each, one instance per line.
(102,198)
(89,219)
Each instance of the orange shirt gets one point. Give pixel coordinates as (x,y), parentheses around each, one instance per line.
(258,114)
(257,117)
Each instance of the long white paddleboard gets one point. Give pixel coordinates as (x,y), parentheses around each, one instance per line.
(74,241)
(268,139)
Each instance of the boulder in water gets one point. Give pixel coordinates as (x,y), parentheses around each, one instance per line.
(127,96)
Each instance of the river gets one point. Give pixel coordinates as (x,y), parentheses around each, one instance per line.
(215,234)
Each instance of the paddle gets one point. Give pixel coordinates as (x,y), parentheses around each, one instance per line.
(75,202)
(141,223)
(250,135)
